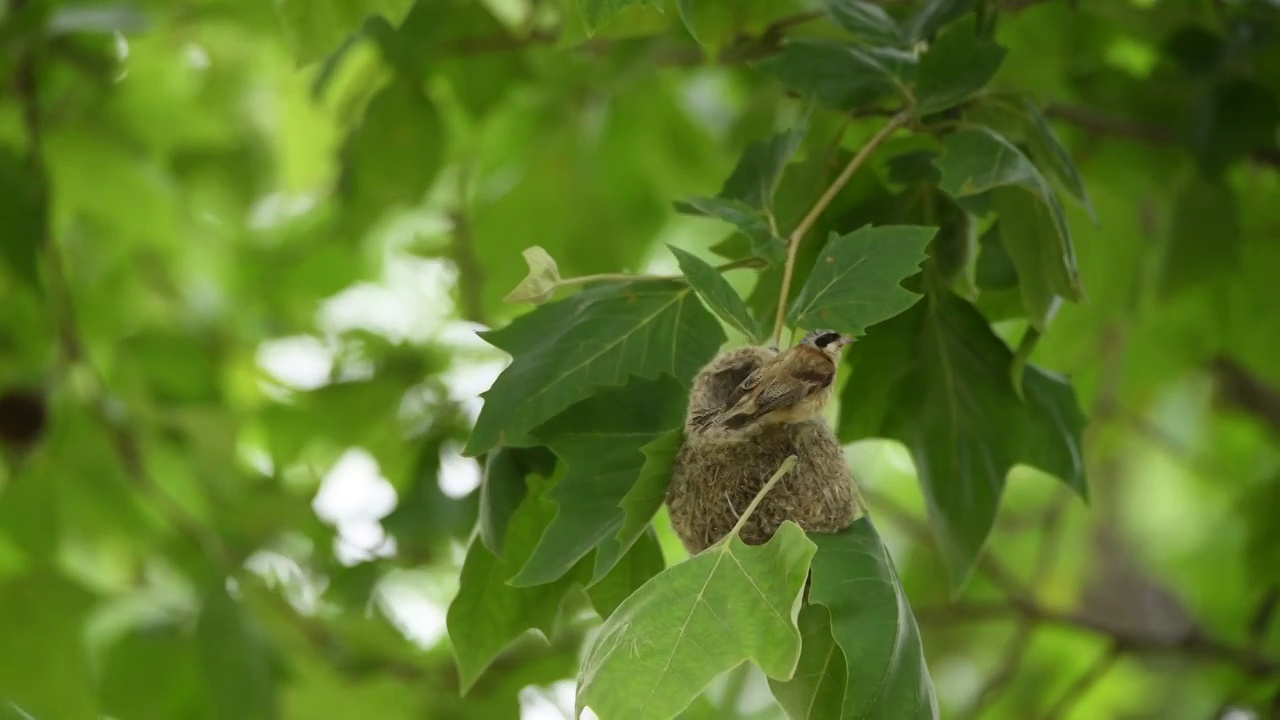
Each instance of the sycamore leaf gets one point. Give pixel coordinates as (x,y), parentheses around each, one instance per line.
(598,11)
(956,66)
(755,178)
(1033,223)
(600,441)
(729,604)
(856,280)
(502,488)
(816,691)
(1030,237)
(871,621)
(600,337)
(540,284)
(866,20)
(646,496)
(748,220)
(642,561)
(938,379)
(488,614)
(717,293)
(843,75)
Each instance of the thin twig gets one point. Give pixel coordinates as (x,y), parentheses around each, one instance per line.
(1083,684)
(810,218)
(782,470)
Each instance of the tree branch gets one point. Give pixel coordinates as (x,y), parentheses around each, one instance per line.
(1100,123)
(810,218)
(1194,644)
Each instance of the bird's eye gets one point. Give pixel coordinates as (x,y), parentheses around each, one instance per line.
(826,339)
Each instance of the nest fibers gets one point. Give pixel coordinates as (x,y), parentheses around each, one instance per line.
(718,472)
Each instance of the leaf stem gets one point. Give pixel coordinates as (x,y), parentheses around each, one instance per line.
(750,262)
(782,470)
(810,218)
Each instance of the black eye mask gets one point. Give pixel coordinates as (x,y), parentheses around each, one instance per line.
(826,339)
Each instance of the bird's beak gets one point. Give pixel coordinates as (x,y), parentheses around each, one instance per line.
(844,340)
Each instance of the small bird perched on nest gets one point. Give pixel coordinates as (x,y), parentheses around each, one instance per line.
(748,410)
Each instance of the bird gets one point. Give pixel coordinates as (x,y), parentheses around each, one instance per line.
(790,387)
(718,470)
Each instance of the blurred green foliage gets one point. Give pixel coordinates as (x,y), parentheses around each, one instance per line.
(245,248)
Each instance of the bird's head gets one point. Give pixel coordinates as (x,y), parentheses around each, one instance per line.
(828,341)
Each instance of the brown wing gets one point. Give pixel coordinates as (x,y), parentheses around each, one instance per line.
(748,384)
(782,390)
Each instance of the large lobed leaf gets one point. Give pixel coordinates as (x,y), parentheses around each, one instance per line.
(729,604)
(600,440)
(856,280)
(938,379)
(598,338)
(1034,225)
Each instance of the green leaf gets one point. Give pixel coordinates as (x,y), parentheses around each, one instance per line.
(975,160)
(598,11)
(764,243)
(153,673)
(843,76)
(1205,235)
(642,561)
(938,379)
(1033,224)
(540,284)
(315,27)
(866,20)
(994,269)
(392,158)
(934,14)
(235,660)
(956,66)
(695,620)
(872,624)
(646,496)
(488,614)
(502,488)
(755,178)
(1049,153)
(44,669)
(717,293)
(856,280)
(22,215)
(600,441)
(598,338)
(1046,265)
(816,691)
